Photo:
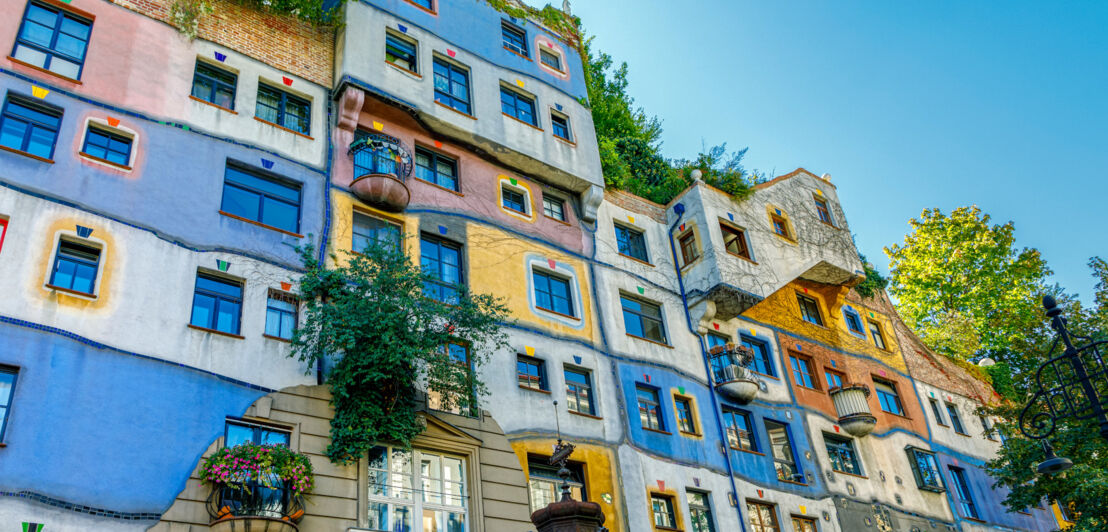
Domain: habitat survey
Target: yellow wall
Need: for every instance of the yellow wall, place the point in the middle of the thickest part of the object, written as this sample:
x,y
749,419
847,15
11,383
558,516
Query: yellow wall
x,y
599,465
108,264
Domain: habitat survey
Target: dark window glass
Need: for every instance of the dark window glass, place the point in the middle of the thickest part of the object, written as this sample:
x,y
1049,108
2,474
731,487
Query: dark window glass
x,y
662,508
515,39
400,52
700,511
809,310
518,106
853,322
262,199
824,212
935,409
553,293
531,372
239,432
841,453
734,240
781,447
217,303
834,379
887,396
108,146
75,267
878,338
685,420
763,517
689,252
554,207
579,392
780,226
451,86
53,39
643,319
561,127
284,109
441,261
7,392
955,419
373,231
29,127
280,314
802,371
740,434
650,410
965,496
214,85
436,168
925,469
631,242
513,199
762,363
550,59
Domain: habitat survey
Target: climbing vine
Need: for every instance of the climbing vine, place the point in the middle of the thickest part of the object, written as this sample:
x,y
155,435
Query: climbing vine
x,y
186,15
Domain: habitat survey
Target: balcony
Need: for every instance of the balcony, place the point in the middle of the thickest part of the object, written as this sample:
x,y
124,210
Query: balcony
x,y
852,406
731,372
382,165
255,507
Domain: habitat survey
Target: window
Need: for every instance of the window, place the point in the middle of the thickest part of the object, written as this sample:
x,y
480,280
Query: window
x,y
887,396
853,321
284,109
7,393
550,59
834,379
955,419
513,199
400,52
803,524
53,39
217,304
436,168
214,85
450,401
824,212
553,207
937,411
990,431
531,373
763,517
686,420
451,86
75,267
545,485
734,240
962,493
781,447
739,433
552,293
238,432
369,231
841,453
280,314
441,260
29,127
662,508
689,252
579,392
107,146
560,125
875,331
417,491
762,362
518,106
429,5
809,310
650,409
642,319
515,39
802,371
780,226
261,199
718,361
700,511
925,469
631,242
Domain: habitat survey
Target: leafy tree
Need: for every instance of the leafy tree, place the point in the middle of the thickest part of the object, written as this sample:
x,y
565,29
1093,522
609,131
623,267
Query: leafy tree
x,y
874,282
387,341
614,113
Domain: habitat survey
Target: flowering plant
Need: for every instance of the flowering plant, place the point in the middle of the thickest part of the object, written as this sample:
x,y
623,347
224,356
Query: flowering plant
x,y
268,465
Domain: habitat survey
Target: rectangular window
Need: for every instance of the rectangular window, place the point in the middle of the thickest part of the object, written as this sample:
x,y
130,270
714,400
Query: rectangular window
x,y
217,303
762,362
214,85
734,240
718,362
642,319
29,127
238,432
515,39
544,483
841,453
809,310
887,396
550,59
662,508
686,421
834,379
803,524
854,322
53,39
560,125
7,393
107,146
700,511
553,207
650,409
955,418
284,109
579,396
531,373
261,199
740,434
417,490
878,338
802,371
441,261
935,409
75,267
824,212
689,252
631,242
369,231
763,517
281,314
513,199
451,85
781,447
401,52
436,168
518,106
925,469
964,495
987,426
780,226
552,293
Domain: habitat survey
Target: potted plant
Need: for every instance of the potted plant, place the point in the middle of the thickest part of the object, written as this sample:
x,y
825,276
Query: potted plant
x,y
251,480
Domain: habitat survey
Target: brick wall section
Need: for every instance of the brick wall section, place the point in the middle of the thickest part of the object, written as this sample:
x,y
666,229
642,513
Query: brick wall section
x,y
286,43
634,203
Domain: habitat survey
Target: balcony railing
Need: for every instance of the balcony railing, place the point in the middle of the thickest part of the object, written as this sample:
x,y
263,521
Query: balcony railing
x,y
245,501
381,167
852,406
731,372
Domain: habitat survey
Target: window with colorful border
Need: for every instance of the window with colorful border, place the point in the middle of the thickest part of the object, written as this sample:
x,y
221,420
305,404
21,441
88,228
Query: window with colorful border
x,y
551,59
553,292
878,336
107,145
514,198
803,524
240,431
783,452
780,226
53,39
8,375
963,493
853,321
441,260
834,378
824,211
75,268
925,469
661,506
370,230
686,415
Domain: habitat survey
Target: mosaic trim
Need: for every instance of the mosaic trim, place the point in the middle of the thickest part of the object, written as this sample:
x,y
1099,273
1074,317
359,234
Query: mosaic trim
x,y
81,509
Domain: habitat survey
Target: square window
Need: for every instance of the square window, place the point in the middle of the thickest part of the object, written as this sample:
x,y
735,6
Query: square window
x,y
763,517
631,243
803,373
740,433
451,85
531,373
686,419
256,197
700,511
955,418
518,106
887,396
370,231
214,85
553,293
875,331
279,107
29,127
53,39
441,261
107,146
842,455
643,319
75,267
734,241
662,508
401,52
238,432
804,524
560,125
436,168
834,378
824,212
809,310
762,362
853,321
515,39
513,199
650,409
554,207
925,469
689,251
217,303
780,226
579,396
781,447
281,313
550,59
8,376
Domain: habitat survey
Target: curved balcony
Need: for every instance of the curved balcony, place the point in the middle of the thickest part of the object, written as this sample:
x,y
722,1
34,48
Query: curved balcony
x,y
253,507
381,167
852,406
731,372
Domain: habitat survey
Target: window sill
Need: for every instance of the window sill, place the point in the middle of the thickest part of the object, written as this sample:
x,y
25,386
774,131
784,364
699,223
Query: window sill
x,y
975,520
517,53
648,429
793,482
850,474
528,124
691,434
283,128
756,453
829,224
767,375
963,434
404,70
748,259
463,113
582,414
902,416
788,239
27,154
438,186
259,224
809,388
566,141
2,445
213,331
70,291
96,159
636,260
278,338
556,313
210,104
666,528
43,70
431,11
514,212
537,390
563,222
649,340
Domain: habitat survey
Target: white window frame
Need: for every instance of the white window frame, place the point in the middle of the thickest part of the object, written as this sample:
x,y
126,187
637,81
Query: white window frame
x,y
416,502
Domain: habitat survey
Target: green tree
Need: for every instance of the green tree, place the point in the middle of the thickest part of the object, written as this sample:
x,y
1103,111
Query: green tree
x,y
388,343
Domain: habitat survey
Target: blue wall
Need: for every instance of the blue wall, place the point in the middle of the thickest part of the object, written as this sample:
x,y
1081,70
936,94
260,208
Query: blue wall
x,y
989,502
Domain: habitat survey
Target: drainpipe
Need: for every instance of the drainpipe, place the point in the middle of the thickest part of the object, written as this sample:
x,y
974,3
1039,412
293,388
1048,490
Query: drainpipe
x,y
679,210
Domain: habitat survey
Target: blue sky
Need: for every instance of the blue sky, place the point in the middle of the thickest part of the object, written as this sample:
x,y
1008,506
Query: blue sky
x,y
908,105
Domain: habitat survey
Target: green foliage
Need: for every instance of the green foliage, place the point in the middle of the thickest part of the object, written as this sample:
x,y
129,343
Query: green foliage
x,y
1000,375
186,15
387,342
568,27
266,464
721,170
874,282
1100,272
